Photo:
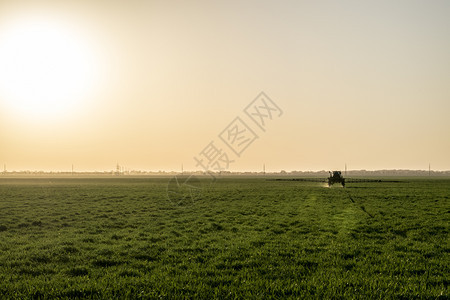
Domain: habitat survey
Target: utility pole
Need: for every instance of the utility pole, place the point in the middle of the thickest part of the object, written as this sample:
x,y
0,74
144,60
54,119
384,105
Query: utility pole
x,y
72,169
264,169
429,169
345,170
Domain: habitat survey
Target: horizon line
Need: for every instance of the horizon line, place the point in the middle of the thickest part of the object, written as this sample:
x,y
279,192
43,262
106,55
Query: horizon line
x,y
210,171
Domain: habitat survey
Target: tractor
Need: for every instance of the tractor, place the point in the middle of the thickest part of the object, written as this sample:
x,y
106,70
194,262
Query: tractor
x,y
336,177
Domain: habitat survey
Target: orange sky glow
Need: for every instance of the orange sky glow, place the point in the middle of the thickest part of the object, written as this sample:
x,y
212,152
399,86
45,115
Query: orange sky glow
x,y
151,84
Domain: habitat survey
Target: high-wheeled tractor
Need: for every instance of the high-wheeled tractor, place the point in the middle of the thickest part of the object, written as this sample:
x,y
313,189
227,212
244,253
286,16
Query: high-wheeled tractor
x,y
336,177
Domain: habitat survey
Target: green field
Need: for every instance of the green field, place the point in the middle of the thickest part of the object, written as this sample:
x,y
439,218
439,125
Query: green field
x,y
238,238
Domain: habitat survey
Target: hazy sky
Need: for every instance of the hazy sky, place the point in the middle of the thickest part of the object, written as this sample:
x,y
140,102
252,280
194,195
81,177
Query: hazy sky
x,y
149,84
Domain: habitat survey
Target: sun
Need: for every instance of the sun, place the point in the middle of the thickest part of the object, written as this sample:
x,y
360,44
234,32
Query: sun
x,y
46,68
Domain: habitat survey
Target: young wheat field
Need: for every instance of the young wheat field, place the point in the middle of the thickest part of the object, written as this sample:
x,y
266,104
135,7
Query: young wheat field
x,y
237,237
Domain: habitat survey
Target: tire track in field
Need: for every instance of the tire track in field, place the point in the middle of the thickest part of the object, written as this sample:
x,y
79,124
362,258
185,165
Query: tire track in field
x,y
360,205
310,208
345,220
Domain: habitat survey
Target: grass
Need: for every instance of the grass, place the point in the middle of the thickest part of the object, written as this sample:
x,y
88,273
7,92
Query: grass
x,y
239,238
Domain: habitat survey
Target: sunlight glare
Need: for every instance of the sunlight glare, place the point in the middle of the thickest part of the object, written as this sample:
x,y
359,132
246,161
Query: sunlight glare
x,y
46,69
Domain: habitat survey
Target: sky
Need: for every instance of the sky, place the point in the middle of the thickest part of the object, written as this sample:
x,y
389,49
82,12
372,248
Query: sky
x,y
154,85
